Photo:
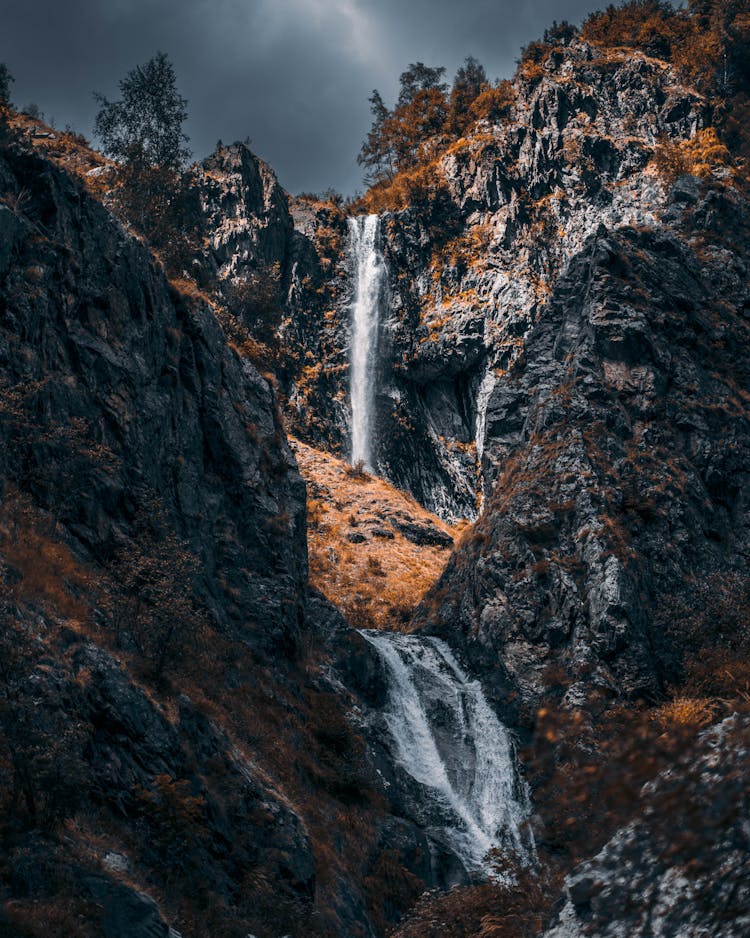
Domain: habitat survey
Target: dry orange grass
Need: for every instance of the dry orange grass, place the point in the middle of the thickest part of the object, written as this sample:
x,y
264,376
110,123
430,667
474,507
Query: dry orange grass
x,y
66,148
696,712
45,570
359,559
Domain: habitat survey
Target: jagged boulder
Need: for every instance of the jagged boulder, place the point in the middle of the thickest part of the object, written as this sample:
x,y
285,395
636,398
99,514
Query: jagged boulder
x,y
681,867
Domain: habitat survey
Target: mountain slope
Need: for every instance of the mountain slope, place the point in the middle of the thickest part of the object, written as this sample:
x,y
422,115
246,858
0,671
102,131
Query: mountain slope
x,y
374,551
191,736
173,751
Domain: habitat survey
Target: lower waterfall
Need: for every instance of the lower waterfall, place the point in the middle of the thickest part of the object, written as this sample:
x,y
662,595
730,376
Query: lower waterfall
x,y
448,740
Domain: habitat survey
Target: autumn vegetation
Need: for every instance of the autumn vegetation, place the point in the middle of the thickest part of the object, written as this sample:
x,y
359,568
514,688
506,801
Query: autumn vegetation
x,y
587,770
364,542
708,42
283,718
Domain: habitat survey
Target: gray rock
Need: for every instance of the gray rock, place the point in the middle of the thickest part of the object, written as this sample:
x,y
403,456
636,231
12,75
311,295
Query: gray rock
x,y
681,868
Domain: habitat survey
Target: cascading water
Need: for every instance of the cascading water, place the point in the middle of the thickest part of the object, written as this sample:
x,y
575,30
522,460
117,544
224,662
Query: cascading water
x,y
448,739
369,290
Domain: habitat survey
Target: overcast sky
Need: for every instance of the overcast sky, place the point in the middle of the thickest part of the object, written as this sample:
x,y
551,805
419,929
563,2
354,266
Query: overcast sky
x,y
292,75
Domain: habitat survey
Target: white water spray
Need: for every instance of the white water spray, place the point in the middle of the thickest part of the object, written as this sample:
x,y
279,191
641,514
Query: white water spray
x,y
448,739
369,290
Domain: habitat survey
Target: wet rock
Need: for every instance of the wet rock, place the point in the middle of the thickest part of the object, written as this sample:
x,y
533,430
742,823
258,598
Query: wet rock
x,y
422,534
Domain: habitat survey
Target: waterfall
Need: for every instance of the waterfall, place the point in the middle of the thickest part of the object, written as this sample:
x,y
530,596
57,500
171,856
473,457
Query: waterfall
x,y
448,740
369,288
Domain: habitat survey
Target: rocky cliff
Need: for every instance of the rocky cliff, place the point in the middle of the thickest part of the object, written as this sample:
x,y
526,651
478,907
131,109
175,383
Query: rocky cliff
x,y
122,399
175,757
195,739
566,352
652,879
472,267
565,347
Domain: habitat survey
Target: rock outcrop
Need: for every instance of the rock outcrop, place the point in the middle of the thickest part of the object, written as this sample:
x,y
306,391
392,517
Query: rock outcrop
x,y
565,360
121,395
618,447
681,867
472,269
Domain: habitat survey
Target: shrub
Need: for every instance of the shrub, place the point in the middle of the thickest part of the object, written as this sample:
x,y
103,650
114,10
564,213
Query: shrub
x,y
532,59
651,25
43,744
254,301
685,712
709,625
156,608
698,156
670,160
357,471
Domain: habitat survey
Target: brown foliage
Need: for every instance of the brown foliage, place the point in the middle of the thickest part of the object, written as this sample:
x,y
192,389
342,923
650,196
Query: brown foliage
x,y
363,564
154,606
421,187
493,104
174,822
710,623
698,156
650,25
490,910
40,763
62,916
708,41
37,565
670,160
162,207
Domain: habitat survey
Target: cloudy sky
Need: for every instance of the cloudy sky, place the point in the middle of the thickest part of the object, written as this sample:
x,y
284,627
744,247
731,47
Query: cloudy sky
x,y
292,75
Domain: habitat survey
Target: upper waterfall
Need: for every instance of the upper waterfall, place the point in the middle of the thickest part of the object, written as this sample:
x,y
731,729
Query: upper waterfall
x,y
369,281
448,739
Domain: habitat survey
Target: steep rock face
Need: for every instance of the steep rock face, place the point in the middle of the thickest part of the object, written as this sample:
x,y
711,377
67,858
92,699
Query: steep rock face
x,y
232,792
681,868
246,212
316,334
524,195
472,267
120,394
122,407
295,249
157,796
618,447
568,332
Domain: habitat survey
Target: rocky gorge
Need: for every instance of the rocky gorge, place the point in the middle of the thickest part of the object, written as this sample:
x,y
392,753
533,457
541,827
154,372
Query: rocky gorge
x,y
235,670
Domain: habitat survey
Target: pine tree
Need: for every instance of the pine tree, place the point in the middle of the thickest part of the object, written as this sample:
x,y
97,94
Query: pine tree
x,y
469,83
6,80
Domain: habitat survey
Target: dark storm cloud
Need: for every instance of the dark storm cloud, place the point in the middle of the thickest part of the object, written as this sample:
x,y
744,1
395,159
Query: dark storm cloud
x,y
293,75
